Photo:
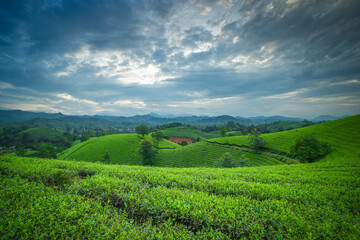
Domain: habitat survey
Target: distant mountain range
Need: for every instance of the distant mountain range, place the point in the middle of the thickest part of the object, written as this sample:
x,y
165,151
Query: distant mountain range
x,y
327,118
20,116
59,120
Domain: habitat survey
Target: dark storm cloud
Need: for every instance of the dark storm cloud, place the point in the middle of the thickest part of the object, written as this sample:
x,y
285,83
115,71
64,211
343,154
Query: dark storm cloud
x,y
312,31
159,53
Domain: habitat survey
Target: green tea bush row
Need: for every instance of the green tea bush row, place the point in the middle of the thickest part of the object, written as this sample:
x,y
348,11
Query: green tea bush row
x,y
313,201
30,210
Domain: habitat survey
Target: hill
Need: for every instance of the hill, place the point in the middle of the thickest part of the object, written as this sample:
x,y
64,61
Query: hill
x,y
327,118
53,199
187,132
224,119
67,121
58,120
19,116
43,133
343,135
124,149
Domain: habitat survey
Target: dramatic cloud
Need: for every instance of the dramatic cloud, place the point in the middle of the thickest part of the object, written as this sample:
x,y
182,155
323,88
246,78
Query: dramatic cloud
x,y
237,57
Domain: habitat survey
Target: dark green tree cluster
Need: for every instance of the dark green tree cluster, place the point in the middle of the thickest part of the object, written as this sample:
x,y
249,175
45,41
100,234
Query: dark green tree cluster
x,y
47,151
157,137
10,137
86,135
223,130
307,149
226,161
147,151
142,130
169,125
255,141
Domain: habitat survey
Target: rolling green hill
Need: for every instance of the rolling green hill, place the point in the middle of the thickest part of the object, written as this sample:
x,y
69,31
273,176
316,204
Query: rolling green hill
x,y
124,149
54,199
187,132
343,135
50,134
285,126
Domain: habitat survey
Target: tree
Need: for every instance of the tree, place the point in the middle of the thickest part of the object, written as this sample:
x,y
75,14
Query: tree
x,y
243,162
20,151
106,158
86,136
230,125
147,151
226,161
47,151
307,149
157,136
223,130
142,130
255,141
183,143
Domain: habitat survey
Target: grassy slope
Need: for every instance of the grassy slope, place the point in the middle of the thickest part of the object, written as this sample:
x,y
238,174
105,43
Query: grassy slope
x,y
343,135
51,134
273,127
123,149
187,132
76,142
234,133
53,199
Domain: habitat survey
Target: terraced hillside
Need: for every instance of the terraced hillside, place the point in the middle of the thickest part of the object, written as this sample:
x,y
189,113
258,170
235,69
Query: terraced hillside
x,y
187,132
50,134
54,199
203,154
343,135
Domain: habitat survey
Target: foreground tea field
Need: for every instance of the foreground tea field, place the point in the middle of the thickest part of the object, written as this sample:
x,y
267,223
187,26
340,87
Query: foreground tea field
x,y
43,199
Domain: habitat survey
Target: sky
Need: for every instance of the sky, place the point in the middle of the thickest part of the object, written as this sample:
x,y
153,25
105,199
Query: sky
x,y
236,57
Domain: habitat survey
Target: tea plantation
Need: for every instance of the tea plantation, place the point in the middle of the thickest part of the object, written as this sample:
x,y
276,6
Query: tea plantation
x,y
56,199
124,149
188,132
343,135
39,133
76,198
